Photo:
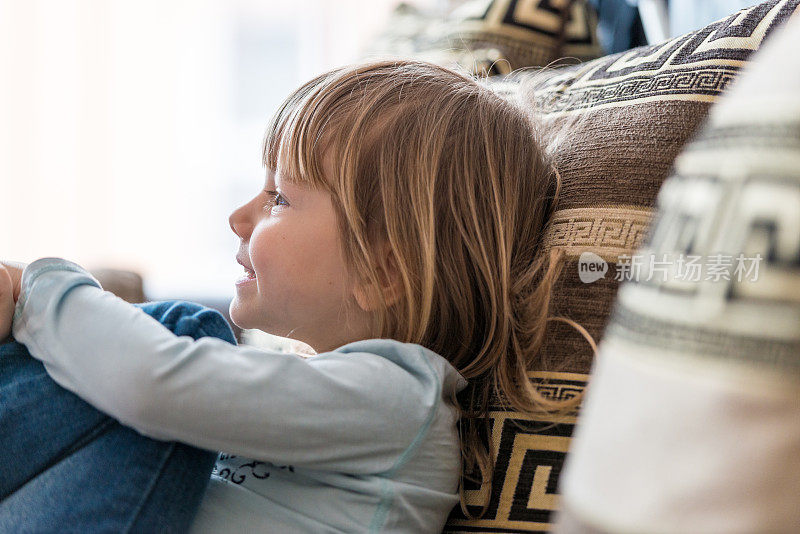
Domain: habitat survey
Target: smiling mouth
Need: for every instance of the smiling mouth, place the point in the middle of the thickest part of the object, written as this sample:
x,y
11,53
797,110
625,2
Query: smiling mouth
x,y
247,277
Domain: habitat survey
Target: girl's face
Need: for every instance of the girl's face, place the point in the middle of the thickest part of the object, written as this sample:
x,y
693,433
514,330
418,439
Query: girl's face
x,y
295,283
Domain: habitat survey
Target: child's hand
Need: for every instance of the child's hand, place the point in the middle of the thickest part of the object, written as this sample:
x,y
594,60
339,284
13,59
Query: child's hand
x,y
6,302
10,276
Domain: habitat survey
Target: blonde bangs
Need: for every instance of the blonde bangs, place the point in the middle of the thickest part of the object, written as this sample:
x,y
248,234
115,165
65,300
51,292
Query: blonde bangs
x,y
295,140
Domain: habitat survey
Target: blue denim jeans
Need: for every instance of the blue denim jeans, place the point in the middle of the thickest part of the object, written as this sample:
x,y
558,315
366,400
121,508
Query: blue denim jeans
x,y
66,467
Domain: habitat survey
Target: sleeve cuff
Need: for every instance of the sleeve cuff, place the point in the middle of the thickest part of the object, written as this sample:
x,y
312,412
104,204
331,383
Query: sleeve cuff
x,y
41,266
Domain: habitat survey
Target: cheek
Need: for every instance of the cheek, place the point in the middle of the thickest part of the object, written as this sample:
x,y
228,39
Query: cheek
x,y
282,261
267,249
303,266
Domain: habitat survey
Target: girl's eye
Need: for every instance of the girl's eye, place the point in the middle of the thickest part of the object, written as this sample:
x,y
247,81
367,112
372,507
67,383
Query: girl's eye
x,y
274,199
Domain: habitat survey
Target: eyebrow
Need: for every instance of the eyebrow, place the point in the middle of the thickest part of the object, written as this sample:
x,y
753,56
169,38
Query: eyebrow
x,y
286,186
270,185
269,179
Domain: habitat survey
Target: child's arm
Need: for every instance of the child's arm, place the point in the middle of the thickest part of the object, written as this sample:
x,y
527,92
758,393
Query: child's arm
x,y
357,409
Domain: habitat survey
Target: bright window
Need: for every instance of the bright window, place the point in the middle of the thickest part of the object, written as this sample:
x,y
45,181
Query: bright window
x,y
130,130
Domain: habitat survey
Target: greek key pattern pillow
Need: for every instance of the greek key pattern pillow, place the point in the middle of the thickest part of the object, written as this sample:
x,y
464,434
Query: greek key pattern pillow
x,y
615,126
693,419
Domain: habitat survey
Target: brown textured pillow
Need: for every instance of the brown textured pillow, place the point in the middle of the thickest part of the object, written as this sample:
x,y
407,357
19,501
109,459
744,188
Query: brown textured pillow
x,y
622,120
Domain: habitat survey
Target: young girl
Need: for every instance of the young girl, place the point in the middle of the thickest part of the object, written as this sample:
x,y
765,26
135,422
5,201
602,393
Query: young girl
x,y
398,235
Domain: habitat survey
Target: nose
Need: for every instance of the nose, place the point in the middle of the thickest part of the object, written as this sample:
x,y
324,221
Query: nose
x,y
241,222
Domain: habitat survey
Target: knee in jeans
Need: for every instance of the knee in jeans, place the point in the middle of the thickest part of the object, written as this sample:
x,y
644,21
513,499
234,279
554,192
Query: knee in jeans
x,y
190,319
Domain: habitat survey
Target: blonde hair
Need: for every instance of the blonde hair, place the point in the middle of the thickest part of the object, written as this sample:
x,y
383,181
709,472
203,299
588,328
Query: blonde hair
x,y
451,176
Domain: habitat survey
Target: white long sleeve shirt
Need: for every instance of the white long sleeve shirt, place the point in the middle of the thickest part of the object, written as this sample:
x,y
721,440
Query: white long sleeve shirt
x,y
359,439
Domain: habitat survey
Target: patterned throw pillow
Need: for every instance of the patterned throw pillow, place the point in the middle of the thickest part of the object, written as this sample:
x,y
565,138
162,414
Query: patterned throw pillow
x,y
494,36
615,126
692,423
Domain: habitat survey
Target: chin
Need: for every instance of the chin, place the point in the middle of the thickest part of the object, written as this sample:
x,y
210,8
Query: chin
x,y
249,318
240,316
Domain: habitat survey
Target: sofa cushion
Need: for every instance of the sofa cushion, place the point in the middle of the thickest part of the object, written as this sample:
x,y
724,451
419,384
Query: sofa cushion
x,y
494,36
621,121
613,127
127,285
693,419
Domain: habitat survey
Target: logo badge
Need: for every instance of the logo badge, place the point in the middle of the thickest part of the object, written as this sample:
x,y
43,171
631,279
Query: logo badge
x,y
591,267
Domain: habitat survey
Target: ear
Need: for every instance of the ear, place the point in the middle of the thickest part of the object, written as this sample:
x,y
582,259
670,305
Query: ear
x,y
391,283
